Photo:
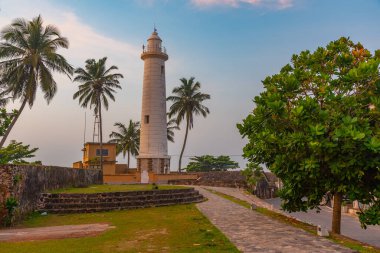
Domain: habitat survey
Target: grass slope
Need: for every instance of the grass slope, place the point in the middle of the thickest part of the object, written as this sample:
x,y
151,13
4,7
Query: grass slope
x,y
179,228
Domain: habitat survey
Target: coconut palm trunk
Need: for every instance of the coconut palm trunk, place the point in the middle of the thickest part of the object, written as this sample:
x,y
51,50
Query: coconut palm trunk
x,y
12,124
129,155
101,135
337,212
184,144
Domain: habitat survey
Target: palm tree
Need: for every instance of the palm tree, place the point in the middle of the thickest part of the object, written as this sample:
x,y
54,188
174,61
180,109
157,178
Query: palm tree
x,y
171,126
187,103
28,55
96,84
127,139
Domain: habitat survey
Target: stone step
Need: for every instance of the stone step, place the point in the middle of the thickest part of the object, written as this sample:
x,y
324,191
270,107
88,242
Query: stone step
x,y
118,204
76,203
118,194
105,209
83,196
112,199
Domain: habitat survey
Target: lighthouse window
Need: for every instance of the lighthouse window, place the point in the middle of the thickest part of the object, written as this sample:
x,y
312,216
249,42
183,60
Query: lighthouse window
x,y
146,119
162,70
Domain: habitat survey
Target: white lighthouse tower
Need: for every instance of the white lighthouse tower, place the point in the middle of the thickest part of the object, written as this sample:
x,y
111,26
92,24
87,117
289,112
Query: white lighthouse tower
x,y
153,154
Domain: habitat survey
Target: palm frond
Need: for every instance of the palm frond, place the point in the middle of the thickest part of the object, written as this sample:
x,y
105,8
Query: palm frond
x,y
97,80
28,54
187,101
127,138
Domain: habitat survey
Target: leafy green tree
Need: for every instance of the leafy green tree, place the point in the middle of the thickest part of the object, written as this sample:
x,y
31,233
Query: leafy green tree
x,y
171,126
16,152
211,163
6,119
127,139
316,126
252,173
97,84
187,103
28,54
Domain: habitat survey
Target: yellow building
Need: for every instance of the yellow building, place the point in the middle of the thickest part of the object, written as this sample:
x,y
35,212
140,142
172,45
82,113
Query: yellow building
x,y
114,173
91,158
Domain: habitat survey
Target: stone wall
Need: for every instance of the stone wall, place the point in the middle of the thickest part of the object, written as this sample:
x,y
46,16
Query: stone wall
x,y
27,182
215,178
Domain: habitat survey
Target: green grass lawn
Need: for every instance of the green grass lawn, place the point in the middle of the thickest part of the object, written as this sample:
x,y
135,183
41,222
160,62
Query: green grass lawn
x,y
180,228
115,188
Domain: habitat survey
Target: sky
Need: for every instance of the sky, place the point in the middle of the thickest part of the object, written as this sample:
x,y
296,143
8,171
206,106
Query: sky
x,y
229,46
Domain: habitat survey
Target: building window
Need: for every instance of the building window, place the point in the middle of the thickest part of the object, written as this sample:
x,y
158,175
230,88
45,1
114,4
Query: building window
x,y
162,70
146,119
104,152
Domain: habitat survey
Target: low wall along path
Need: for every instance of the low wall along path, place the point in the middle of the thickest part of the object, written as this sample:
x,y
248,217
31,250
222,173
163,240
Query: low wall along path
x,y
25,183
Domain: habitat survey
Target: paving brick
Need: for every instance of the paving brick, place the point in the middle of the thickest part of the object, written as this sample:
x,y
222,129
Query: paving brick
x,y
253,232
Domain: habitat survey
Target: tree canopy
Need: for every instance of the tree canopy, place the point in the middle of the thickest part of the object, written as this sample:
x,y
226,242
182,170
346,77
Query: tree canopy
x,y
253,173
171,126
16,152
6,119
97,83
28,56
127,139
316,126
211,163
187,103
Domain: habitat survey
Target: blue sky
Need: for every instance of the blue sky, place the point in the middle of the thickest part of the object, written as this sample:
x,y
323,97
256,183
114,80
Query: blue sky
x,y
228,45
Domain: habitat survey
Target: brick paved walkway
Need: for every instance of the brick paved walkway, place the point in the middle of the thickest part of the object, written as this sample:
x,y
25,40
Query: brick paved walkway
x,y
350,225
253,232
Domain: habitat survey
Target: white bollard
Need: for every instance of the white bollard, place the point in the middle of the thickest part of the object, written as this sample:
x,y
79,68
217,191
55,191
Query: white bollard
x,y
322,231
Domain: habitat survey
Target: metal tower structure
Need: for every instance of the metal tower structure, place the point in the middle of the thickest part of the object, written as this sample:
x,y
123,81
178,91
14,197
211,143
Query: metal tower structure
x,y
95,135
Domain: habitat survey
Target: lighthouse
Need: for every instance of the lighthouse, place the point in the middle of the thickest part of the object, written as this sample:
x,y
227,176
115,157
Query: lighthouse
x,y
153,154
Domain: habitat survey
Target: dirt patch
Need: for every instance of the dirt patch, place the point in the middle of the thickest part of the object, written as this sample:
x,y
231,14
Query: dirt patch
x,y
55,232
142,240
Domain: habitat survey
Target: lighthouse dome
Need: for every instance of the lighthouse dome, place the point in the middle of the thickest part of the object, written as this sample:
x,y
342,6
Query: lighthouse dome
x,y
154,35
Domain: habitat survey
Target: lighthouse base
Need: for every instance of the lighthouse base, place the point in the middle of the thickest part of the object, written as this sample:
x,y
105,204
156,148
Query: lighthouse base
x,y
157,165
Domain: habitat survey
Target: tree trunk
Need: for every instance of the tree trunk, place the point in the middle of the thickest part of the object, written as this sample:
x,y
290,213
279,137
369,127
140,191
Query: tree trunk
x,y
184,144
12,124
337,208
128,158
101,137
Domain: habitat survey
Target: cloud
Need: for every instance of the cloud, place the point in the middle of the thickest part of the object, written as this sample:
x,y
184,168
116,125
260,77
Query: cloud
x,y
58,127
283,4
84,41
277,4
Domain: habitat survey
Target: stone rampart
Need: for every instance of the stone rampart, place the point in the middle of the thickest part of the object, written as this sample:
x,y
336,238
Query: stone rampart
x,y
215,178
25,183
